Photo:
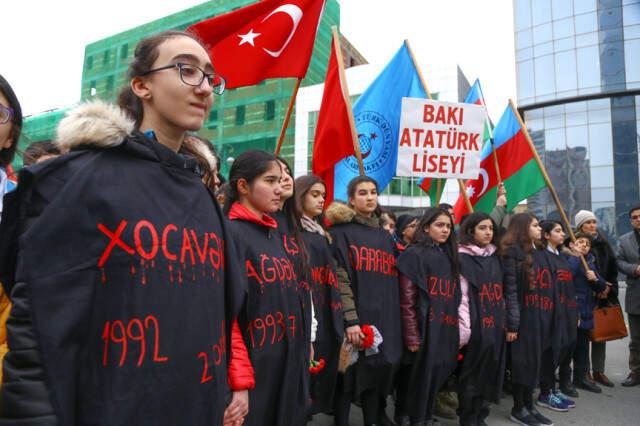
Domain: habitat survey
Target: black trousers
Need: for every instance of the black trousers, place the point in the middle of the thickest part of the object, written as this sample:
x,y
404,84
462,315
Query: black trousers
x,y
370,401
472,407
547,373
565,365
581,356
522,397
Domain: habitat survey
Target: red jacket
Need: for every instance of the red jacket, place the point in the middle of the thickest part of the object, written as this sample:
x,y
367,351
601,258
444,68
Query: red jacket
x,y
240,370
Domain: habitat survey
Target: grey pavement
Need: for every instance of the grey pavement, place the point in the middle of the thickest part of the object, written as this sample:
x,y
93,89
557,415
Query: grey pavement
x,y
618,406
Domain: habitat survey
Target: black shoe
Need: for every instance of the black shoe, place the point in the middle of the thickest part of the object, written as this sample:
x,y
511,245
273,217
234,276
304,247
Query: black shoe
x,y
569,390
402,420
632,379
524,417
542,419
587,385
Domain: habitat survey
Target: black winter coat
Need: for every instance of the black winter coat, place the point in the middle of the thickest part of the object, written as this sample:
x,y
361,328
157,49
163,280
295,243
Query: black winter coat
x,y
124,286
605,261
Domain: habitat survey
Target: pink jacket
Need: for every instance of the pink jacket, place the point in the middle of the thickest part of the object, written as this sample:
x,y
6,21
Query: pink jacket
x,y
464,315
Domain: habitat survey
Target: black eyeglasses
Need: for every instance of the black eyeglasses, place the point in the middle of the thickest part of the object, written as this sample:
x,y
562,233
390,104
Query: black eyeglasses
x,y
194,76
6,114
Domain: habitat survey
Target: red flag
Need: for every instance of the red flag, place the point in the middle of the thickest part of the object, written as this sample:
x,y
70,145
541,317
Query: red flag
x,y
268,39
334,132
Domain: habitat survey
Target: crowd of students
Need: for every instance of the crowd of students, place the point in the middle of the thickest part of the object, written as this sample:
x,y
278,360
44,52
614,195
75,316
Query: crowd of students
x,y
145,292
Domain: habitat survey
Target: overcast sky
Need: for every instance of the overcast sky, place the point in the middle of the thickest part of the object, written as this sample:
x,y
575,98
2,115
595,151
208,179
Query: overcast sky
x,y
43,41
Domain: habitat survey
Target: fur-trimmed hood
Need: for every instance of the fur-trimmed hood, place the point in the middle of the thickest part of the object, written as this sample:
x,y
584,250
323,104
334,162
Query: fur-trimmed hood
x,y
338,212
104,125
94,123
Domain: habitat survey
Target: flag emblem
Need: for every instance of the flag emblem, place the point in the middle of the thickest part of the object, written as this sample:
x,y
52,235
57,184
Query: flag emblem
x,y
376,138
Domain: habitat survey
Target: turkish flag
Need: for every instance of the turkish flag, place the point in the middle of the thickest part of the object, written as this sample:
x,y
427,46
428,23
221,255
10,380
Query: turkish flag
x,y
334,135
268,39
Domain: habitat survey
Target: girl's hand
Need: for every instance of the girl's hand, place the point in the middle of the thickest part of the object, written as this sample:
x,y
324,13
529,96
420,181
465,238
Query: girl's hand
x,y
354,335
591,276
512,336
237,409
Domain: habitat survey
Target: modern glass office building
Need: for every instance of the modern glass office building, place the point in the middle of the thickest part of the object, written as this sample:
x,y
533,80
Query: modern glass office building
x,y
578,83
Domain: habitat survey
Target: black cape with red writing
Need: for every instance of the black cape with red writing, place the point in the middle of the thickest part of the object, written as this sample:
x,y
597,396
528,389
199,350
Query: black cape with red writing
x,y
328,311
565,328
375,289
429,268
131,283
295,250
273,326
536,302
485,358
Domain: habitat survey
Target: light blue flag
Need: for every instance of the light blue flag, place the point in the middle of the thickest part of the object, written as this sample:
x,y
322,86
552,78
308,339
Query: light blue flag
x,y
377,117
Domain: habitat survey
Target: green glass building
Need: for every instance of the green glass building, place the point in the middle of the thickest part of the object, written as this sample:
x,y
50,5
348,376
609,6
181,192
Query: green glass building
x,y
243,118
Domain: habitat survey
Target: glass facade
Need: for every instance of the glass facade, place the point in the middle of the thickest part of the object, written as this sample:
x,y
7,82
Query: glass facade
x,y
578,83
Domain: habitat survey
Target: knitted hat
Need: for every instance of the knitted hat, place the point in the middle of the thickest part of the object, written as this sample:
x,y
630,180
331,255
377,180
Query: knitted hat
x,y
402,223
582,216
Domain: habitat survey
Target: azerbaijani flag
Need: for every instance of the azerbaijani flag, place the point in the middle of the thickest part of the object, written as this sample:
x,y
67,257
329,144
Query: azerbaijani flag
x,y
518,168
430,186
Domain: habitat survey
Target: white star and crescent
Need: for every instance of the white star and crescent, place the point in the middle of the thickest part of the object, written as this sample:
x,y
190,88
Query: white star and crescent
x,y
471,190
294,12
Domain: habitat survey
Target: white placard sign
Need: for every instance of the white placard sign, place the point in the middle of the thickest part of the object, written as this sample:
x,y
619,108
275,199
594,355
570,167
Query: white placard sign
x,y
440,139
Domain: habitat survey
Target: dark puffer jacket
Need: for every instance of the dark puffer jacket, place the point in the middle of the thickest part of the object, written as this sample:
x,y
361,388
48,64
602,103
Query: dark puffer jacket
x,y
585,289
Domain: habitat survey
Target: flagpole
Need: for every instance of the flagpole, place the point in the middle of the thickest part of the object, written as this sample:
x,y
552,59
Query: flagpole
x,y
547,180
347,98
438,189
287,117
463,191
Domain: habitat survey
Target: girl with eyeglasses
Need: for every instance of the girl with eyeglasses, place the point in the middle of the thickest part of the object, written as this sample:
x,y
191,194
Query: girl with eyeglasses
x,y
10,127
129,315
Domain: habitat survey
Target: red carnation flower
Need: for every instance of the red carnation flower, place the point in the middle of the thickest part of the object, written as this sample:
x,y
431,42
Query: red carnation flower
x,y
316,366
367,342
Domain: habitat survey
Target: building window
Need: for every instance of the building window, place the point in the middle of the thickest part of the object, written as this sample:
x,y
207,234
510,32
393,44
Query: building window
x,y
269,110
213,115
89,62
124,51
240,110
92,88
110,83
107,56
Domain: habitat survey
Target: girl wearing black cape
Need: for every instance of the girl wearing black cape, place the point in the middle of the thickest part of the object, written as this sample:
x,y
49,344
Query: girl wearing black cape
x,y
368,283
126,319
272,320
565,322
483,321
529,297
430,295
310,193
